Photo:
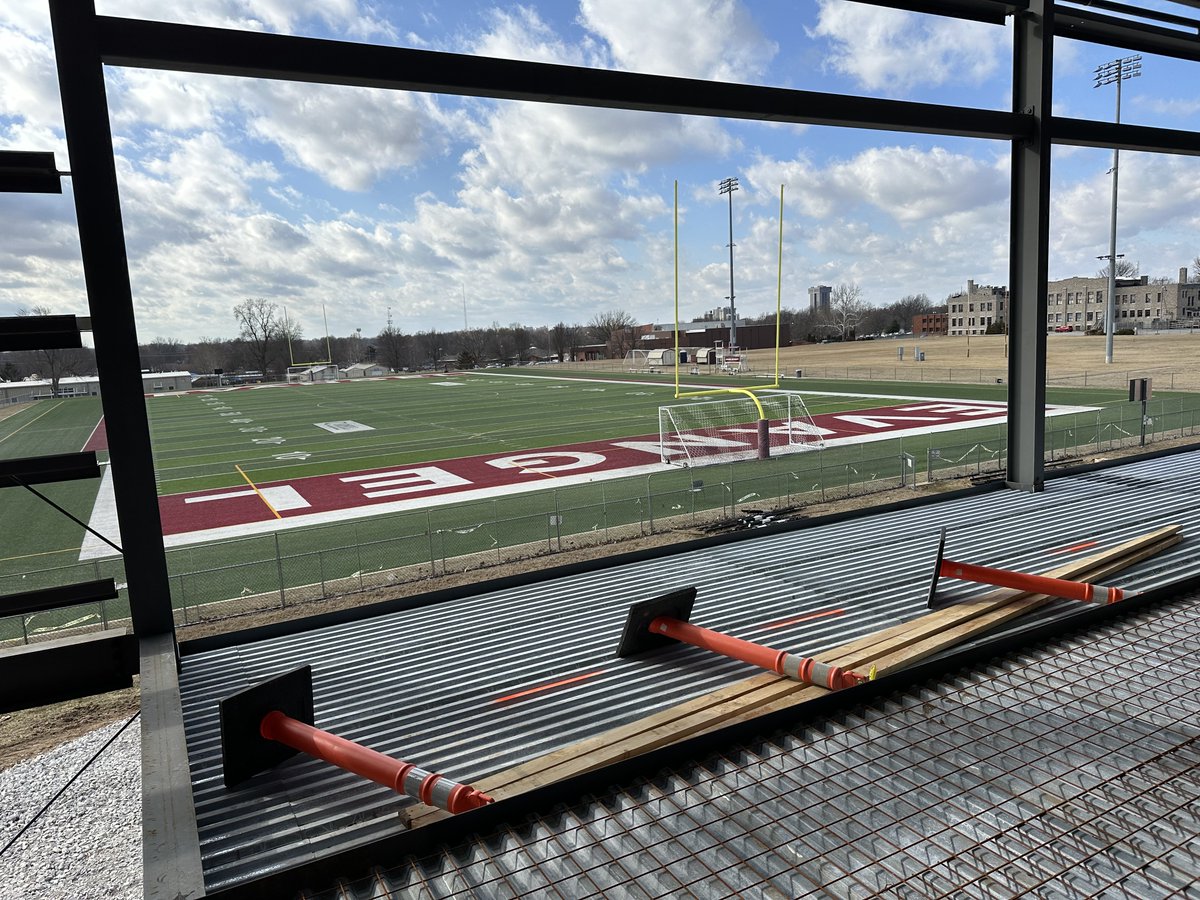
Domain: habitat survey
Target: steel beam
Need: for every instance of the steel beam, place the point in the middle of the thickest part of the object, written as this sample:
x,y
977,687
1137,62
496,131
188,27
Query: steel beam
x,y
48,469
66,669
190,48
1033,66
1110,31
29,173
58,597
39,332
106,274
991,12
1086,133
171,867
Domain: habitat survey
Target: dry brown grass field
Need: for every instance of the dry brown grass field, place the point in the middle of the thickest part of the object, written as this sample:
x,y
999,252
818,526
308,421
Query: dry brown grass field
x,y
1171,359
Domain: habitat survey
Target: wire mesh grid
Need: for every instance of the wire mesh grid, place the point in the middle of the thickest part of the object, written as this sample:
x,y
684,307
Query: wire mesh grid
x,y
1069,771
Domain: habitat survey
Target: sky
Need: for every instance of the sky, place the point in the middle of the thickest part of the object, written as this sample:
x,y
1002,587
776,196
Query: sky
x,y
437,211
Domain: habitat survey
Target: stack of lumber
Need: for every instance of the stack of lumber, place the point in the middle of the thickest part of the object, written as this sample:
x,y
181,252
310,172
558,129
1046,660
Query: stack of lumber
x,y
888,650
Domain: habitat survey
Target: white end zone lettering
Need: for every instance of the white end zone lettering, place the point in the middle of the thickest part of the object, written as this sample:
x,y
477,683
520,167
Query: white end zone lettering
x,y
406,481
548,462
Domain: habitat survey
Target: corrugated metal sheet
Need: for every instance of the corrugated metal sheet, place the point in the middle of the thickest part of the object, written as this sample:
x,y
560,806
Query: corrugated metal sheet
x,y
1072,770
423,684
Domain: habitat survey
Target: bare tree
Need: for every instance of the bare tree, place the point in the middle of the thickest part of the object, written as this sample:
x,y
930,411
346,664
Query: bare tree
x,y
574,341
432,345
54,365
260,329
209,354
1196,268
559,341
1125,269
846,309
614,328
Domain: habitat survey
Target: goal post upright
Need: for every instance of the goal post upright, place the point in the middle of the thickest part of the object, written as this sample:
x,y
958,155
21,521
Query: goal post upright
x,y
764,443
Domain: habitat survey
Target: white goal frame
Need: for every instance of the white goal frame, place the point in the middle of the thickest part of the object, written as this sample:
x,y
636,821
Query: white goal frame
x,y
707,432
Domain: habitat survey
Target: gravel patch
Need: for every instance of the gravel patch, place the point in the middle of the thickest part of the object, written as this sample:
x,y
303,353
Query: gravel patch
x,y
88,844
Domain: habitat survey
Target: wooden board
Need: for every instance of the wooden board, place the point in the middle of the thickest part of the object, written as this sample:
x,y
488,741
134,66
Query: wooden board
x,y
888,650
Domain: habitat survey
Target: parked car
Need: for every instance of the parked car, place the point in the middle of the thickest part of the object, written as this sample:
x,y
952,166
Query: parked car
x,y
1063,328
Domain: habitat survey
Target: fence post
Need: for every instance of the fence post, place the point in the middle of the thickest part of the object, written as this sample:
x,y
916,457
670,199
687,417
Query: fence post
x,y
604,509
183,599
25,627
650,504
557,522
496,527
279,569
429,540
358,555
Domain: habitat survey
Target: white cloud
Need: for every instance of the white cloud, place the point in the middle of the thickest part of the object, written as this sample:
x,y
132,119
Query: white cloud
x,y
892,50
716,39
351,137
28,80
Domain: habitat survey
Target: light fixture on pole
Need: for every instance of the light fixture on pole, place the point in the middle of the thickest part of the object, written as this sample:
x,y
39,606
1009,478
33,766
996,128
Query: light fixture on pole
x,y
1114,73
728,186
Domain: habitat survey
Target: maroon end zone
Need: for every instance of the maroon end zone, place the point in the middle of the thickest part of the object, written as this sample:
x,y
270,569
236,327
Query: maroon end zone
x,y
322,497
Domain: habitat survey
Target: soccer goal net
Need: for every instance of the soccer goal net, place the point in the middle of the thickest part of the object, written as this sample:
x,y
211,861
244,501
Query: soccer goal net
x,y
305,374
705,432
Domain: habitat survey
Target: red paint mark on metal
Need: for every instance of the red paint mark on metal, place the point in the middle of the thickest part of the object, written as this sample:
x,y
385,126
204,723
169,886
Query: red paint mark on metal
x,y
402,777
548,687
1085,545
809,617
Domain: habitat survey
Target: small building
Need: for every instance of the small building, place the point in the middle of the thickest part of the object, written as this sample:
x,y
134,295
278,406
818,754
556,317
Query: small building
x,y
365,370
309,374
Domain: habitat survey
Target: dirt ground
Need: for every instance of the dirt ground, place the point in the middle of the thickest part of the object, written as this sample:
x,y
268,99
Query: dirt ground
x,y
1170,358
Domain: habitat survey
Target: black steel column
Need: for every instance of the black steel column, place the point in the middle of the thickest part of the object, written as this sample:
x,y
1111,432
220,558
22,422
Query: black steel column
x,y
1033,46
106,274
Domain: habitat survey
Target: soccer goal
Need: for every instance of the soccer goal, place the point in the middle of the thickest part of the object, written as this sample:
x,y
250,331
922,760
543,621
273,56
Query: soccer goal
x,y
305,374
706,432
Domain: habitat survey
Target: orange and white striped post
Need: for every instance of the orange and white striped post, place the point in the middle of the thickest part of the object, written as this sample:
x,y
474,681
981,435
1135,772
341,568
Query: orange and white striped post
x,y
1021,581
272,721
402,777
662,620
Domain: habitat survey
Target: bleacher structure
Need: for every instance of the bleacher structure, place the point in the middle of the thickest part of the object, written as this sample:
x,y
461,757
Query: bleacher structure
x,y
1070,764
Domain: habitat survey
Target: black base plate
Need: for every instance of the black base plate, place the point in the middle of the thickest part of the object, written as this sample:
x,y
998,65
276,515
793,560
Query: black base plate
x,y
931,602
244,751
637,637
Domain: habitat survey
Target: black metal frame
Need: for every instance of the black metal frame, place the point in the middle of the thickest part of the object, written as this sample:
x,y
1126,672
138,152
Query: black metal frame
x,y
85,42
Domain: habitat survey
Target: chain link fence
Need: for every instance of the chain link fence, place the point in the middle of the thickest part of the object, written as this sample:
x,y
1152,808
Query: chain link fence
x,y
304,565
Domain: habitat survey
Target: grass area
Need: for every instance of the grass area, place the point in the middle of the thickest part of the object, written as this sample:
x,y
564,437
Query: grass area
x,y
34,534
198,440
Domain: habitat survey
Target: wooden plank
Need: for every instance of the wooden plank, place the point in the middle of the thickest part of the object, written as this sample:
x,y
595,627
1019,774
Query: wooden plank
x,y
892,648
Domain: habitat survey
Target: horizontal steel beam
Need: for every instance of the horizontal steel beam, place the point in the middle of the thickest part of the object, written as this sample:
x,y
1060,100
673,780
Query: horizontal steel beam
x,y
66,669
991,12
1087,133
1097,28
48,469
39,333
27,602
29,173
190,48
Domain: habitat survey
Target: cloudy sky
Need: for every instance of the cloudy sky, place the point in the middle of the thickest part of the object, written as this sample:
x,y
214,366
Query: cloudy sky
x,y
367,201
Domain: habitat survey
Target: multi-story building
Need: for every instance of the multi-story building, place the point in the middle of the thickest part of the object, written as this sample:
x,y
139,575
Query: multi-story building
x,y
819,298
926,324
974,310
1079,304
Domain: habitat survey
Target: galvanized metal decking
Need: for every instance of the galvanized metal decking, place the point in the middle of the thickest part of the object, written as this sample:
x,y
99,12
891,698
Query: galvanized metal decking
x,y
425,684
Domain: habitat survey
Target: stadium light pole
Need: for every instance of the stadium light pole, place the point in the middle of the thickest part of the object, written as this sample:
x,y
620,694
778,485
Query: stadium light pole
x,y
1111,282
728,186
1114,73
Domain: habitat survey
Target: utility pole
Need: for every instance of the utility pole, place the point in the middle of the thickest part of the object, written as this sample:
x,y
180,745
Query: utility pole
x,y
728,186
1114,73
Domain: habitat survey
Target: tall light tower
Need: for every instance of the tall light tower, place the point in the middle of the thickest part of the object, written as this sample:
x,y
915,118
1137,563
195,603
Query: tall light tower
x,y
1114,73
728,186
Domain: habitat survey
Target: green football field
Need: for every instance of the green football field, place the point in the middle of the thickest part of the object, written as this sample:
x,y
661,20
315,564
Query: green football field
x,y
200,439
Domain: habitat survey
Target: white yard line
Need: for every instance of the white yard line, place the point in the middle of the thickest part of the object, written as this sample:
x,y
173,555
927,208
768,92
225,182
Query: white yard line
x,y
103,520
